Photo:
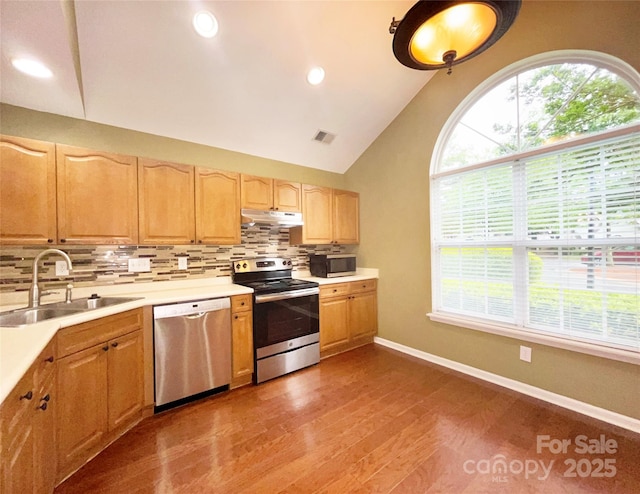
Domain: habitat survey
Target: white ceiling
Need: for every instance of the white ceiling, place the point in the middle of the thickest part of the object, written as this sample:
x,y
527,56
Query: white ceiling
x,y
141,66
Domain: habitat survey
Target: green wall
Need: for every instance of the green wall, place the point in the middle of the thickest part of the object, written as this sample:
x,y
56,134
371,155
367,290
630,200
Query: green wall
x,y
21,122
392,177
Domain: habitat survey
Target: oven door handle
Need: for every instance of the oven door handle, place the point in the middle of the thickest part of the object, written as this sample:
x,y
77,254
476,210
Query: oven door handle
x,y
272,297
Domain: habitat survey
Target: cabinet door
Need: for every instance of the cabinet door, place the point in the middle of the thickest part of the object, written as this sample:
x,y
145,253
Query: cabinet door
x,y
257,192
27,191
217,207
346,217
166,201
97,197
287,196
82,407
242,333
17,459
316,212
125,378
334,326
363,315
44,461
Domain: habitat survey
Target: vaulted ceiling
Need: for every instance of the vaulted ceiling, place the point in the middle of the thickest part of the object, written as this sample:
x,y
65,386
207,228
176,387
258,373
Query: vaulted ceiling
x,y
140,65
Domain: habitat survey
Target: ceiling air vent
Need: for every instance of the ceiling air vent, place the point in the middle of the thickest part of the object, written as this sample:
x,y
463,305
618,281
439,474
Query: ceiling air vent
x,y
324,137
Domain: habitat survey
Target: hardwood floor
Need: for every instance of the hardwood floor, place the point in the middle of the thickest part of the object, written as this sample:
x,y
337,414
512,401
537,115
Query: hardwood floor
x,y
367,421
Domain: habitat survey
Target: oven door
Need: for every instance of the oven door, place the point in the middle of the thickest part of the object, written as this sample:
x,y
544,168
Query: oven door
x,y
284,316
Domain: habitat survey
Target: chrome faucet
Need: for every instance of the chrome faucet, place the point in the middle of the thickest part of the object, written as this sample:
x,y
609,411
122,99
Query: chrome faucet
x,y
34,289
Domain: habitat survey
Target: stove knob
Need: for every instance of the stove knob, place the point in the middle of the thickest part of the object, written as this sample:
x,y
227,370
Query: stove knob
x,y
238,266
244,264
289,263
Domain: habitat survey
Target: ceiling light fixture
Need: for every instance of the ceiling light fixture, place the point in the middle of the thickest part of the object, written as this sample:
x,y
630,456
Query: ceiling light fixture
x,y
438,34
32,67
315,76
205,24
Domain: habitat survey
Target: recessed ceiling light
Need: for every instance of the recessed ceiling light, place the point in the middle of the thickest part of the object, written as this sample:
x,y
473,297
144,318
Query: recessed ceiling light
x,y
315,76
205,24
32,67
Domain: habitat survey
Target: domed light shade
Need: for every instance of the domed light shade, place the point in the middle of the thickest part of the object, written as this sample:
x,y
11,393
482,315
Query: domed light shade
x,y
437,34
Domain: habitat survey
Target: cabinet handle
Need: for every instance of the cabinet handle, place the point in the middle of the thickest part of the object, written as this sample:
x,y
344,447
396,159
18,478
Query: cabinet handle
x,y
241,303
63,240
192,241
236,316
199,241
50,240
46,397
43,406
335,290
105,348
49,359
114,344
27,396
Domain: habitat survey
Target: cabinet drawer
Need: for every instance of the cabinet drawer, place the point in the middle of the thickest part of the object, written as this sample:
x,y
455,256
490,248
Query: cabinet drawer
x,y
363,286
334,290
85,335
241,302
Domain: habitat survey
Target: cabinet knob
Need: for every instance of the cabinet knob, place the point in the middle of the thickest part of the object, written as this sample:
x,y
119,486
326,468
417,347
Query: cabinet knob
x,y
46,397
236,316
50,240
114,344
105,348
27,396
241,303
199,241
49,359
63,240
43,406
335,290
192,241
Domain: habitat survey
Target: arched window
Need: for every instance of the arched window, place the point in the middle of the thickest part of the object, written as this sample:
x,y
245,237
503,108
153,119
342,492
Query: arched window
x,y
535,203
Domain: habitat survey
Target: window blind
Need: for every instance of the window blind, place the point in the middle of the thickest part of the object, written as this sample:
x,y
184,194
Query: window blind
x,y
549,243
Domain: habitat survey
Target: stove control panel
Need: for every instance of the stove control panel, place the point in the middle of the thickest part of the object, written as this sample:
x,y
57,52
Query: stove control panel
x,y
261,264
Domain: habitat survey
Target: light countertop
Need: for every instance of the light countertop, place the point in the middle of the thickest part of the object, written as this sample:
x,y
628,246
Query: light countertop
x,y
19,347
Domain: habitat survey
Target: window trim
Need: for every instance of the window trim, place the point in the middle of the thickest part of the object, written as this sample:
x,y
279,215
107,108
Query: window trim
x,y
513,331
520,334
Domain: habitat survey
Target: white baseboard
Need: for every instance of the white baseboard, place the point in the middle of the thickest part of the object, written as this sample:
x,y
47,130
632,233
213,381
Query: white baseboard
x,y
608,416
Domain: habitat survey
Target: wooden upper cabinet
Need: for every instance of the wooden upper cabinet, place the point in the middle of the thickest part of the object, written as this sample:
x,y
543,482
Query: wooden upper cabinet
x,y
287,196
317,214
270,194
257,192
166,201
97,197
27,191
346,217
217,207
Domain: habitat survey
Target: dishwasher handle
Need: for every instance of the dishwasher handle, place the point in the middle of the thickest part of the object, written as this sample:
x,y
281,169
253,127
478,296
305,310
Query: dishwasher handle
x,y
196,308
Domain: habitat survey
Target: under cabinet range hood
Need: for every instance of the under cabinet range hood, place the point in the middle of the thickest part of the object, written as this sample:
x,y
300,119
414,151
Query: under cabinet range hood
x,y
278,218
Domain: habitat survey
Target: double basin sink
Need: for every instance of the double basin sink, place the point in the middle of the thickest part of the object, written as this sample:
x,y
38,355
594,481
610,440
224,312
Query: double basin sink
x,y
23,317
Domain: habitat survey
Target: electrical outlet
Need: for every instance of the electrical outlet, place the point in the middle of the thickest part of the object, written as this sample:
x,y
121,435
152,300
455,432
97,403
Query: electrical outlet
x,y
61,268
525,353
139,265
182,262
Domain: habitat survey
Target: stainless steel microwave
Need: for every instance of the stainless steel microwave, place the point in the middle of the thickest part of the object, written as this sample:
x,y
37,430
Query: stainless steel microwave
x,y
332,265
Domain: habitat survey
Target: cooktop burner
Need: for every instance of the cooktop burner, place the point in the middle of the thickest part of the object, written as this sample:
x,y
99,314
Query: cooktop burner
x,y
268,275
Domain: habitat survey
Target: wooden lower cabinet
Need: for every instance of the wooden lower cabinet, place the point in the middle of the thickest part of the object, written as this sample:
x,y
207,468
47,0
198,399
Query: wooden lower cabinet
x,y
348,315
28,430
242,340
100,387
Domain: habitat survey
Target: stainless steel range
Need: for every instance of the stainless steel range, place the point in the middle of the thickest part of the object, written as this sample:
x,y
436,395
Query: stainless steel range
x,y
286,329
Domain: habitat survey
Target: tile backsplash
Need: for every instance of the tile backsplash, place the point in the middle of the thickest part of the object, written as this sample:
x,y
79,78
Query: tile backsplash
x,y
109,264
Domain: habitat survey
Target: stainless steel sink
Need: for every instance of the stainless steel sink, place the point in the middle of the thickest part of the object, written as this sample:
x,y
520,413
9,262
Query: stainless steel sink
x,y
23,317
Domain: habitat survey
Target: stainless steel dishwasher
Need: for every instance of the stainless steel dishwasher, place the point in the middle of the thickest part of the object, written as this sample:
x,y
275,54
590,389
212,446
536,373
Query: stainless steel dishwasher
x,y
192,350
